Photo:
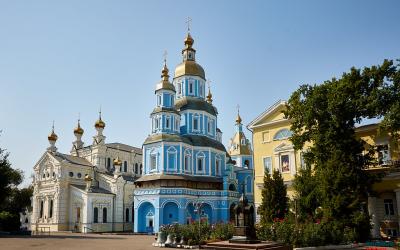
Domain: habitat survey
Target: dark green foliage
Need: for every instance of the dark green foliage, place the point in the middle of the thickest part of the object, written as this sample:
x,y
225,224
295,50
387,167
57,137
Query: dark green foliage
x,y
12,199
274,198
325,116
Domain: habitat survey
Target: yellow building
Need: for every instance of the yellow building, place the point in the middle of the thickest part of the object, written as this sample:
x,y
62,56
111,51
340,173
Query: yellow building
x,y
272,150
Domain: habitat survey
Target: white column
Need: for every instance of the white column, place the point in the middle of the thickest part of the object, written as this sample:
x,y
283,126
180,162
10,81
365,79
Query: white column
x,y
374,218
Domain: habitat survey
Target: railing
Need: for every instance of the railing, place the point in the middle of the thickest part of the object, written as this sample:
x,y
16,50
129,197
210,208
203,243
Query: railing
x,y
85,229
388,165
43,230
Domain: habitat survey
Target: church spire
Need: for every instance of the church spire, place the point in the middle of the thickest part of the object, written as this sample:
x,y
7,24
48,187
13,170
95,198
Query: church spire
x,y
99,125
238,118
209,96
52,138
165,84
78,132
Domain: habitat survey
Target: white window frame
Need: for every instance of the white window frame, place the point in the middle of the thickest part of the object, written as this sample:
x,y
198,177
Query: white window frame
x,y
201,156
197,117
270,163
191,87
283,137
167,122
159,100
172,151
269,136
201,92
187,165
153,168
177,124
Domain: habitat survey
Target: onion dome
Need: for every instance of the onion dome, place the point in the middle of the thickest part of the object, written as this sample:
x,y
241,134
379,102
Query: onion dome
x,y
78,130
117,161
164,83
238,119
99,123
52,137
88,177
189,65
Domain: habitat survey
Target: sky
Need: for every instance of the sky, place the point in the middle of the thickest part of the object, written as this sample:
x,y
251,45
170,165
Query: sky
x,y
62,59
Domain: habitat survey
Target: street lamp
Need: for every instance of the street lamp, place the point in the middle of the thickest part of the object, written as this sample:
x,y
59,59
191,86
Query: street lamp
x,y
197,209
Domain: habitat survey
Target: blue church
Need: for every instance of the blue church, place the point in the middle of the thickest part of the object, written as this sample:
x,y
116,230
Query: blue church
x,y
188,174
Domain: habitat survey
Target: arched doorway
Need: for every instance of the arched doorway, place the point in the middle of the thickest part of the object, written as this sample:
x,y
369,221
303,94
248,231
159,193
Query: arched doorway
x,y
170,213
206,213
232,213
146,218
190,214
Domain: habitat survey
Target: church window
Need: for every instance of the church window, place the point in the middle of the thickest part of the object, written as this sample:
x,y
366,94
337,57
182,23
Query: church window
x,y
153,162
95,215
191,87
108,163
246,163
54,174
136,168
141,168
171,156
176,124
267,164
200,163
41,209
201,89
167,122
127,215
179,88
283,134
172,100
71,174
158,100
195,122
104,215
48,175
79,175
389,208
125,166
187,161
51,209
44,176
217,166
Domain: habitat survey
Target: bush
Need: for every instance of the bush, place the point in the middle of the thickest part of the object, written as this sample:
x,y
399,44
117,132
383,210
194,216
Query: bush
x,y
222,231
9,221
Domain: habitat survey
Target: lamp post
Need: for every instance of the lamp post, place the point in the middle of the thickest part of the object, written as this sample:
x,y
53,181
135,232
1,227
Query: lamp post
x,y
197,209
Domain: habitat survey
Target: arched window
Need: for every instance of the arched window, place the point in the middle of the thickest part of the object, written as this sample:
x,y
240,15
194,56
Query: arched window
x,y
172,158
283,134
125,166
95,215
51,209
41,209
136,168
127,215
200,162
141,168
104,215
218,165
187,161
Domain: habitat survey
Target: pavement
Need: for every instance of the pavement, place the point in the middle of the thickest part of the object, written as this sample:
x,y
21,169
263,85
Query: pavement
x,y
62,241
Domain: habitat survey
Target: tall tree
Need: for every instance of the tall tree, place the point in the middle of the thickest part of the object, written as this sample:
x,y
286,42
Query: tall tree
x,y
325,116
274,198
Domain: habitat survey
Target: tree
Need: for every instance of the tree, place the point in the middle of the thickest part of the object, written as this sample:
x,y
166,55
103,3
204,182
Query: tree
x,y
325,116
12,199
274,198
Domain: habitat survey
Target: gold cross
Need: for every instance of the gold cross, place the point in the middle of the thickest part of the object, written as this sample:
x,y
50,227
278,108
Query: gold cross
x,y
189,20
238,107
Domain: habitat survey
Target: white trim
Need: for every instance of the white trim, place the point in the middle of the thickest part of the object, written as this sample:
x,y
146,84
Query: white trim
x,y
267,112
263,164
203,157
172,151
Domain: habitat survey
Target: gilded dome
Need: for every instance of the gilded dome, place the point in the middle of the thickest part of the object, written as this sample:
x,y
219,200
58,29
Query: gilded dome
x,y
99,124
78,130
117,162
164,83
189,68
52,136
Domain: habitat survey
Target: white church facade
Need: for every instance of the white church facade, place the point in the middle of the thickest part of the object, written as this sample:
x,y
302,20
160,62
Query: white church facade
x,y
90,189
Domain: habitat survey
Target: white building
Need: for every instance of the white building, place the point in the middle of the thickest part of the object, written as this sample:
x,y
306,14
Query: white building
x,y
90,189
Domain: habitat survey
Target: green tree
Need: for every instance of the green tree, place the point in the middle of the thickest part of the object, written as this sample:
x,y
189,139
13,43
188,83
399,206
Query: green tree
x,y
325,116
274,198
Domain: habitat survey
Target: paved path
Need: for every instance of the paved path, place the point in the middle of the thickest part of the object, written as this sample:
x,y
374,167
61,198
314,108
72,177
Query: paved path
x,y
78,242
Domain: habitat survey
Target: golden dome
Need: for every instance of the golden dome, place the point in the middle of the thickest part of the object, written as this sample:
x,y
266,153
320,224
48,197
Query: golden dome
x,y
189,68
88,178
52,136
189,40
209,96
238,119
78,130
99,123
164,83
117,161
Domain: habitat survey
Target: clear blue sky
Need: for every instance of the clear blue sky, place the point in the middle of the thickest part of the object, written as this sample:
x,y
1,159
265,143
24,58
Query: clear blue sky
x,y
61,58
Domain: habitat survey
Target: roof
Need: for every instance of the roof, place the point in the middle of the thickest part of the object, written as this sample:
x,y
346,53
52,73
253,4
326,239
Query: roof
x,y
72,159
189,102
164,109
179,177
195,140
97,190
267,112
124,147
